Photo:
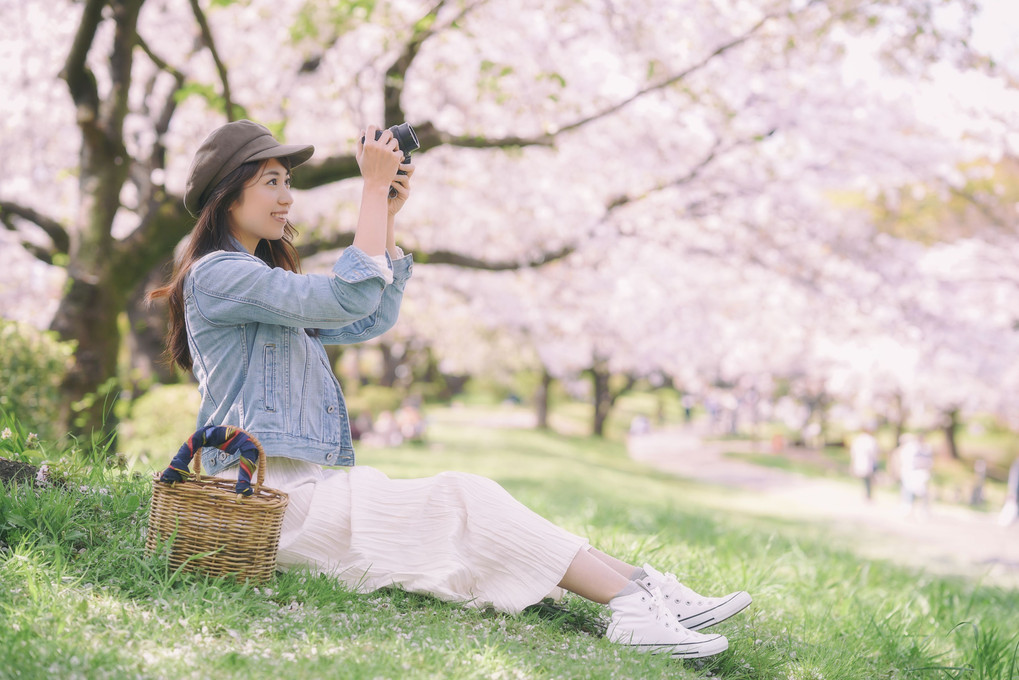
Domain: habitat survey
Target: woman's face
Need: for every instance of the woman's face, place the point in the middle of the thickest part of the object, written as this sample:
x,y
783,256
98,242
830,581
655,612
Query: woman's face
x,y
261,211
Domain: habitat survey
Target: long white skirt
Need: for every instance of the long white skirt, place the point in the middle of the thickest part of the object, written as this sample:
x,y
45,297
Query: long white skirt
x,y
457,536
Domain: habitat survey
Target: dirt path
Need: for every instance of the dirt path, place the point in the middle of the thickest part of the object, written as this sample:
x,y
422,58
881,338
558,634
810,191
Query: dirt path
x,y
949,540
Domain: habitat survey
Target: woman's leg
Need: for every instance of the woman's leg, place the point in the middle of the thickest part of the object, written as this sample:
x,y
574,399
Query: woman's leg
x,y
591,577
627,570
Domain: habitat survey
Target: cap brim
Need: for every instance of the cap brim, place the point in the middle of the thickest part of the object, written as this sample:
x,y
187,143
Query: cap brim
x,y
296,153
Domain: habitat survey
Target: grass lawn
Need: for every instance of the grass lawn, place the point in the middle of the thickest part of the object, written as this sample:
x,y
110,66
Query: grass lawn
x,y
79,599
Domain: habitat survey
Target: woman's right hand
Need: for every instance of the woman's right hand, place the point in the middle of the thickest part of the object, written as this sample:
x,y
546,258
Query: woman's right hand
x,y
378,159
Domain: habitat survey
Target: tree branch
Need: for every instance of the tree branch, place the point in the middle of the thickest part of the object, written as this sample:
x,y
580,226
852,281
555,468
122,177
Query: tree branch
x,y
35,250
326,171
670,80
157,157
164,225
316,244
203,24
688,176
984,209
338,168
467,262
397,72
313,245
160,63
56,231
80,80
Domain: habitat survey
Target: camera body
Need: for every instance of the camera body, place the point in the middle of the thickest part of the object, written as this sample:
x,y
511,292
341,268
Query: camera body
x,y
406,139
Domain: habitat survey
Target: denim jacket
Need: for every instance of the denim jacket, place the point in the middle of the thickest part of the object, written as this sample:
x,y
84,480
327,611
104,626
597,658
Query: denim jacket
x,y
257,367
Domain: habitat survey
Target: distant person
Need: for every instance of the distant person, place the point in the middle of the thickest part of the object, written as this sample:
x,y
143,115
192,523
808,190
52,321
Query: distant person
x,y
688,404
251,328
411,422
976,497
916,460
864,455
640,425
1010,511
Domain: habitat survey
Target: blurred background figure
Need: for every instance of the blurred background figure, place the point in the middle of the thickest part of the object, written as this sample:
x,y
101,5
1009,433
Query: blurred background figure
x,y
916,459
864,454
410,421
976,498
688,403
1010,511
639,425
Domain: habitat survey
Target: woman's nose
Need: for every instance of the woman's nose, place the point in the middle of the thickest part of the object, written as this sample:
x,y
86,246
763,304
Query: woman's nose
x,y
286,196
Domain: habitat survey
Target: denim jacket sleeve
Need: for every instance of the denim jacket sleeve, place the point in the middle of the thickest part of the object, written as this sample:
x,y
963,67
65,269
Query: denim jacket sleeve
x,y
384,316
236,288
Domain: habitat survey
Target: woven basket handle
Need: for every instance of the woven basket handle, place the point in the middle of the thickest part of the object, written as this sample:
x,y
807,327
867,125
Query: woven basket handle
x,y
225,438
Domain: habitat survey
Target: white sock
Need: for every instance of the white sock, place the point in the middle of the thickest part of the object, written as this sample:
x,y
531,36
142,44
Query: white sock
x,y
629,589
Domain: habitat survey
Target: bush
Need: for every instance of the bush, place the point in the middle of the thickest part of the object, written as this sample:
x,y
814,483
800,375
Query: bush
x,y
373,400
33,363
157,423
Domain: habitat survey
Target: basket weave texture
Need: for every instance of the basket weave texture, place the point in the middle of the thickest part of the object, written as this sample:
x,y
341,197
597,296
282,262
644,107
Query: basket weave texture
x,y
212,527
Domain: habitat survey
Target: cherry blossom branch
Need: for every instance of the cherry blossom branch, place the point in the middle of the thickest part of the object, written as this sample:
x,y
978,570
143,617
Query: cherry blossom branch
x,y
397,72
210,43
157,155
981,207
466,262
35,250
80,80
342,167
317,244
54,230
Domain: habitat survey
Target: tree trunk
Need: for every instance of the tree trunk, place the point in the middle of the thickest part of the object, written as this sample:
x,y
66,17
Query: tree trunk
x,y
88,315
951,424
96,294
602,399
390,362
146,338
900,418
541,399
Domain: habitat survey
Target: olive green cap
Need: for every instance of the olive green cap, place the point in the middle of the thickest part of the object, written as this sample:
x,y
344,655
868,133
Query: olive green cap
x,y
226,149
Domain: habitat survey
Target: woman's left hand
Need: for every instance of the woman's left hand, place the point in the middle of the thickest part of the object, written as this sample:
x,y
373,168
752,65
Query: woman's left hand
x,y
402,185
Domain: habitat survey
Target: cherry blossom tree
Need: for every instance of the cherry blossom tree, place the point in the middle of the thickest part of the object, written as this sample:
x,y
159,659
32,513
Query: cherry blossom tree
x,y
634,190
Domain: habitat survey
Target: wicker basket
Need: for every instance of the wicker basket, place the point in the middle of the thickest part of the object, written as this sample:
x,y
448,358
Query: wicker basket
x,y
212,525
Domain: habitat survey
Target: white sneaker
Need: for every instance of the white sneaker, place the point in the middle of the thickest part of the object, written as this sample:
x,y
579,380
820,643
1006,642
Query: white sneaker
x,y
640,620
690,609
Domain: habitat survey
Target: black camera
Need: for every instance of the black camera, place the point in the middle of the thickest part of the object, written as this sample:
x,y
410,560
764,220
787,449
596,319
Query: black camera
x,y
406,140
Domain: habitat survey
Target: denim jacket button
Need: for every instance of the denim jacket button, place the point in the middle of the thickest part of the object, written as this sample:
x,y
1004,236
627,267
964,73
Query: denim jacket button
x,y
223,455
330,457
331,409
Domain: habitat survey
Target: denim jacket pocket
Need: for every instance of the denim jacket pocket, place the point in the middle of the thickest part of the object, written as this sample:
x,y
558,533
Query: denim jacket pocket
x,y
269,377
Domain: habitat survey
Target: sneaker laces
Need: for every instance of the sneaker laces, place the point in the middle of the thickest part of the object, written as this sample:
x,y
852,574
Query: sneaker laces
x,y
671,588
661,612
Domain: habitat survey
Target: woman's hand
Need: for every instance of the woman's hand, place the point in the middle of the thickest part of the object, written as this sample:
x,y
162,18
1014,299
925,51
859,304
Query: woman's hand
x,y
379,158
401,183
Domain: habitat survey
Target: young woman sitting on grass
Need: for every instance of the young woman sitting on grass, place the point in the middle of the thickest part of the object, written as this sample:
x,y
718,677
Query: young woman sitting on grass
x,y
252,328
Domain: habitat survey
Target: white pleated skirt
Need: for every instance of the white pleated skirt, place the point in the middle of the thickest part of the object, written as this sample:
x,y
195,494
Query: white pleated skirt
x,y
457,536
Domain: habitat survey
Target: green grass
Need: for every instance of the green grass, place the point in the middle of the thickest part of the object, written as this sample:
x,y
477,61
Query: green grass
x,y
79,598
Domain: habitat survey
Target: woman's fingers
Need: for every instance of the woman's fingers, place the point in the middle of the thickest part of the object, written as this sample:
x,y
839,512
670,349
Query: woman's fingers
x,y
378,158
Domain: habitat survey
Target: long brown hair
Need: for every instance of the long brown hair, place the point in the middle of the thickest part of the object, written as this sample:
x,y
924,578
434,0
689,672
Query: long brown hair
x,y
211,233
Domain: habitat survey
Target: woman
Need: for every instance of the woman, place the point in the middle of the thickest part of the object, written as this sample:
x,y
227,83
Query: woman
x,y
252,329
